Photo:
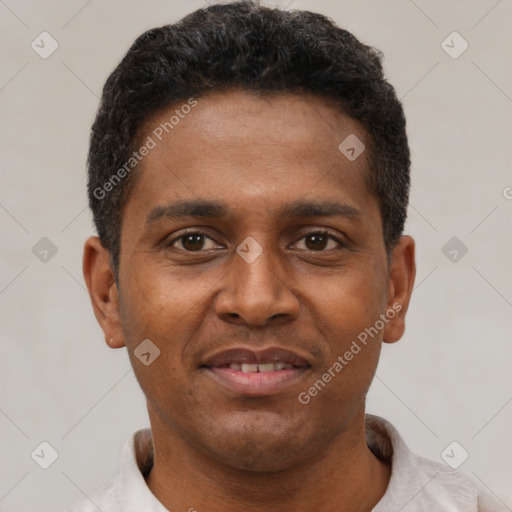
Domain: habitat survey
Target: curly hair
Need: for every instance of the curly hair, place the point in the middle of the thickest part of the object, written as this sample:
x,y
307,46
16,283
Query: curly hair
x,y
259,49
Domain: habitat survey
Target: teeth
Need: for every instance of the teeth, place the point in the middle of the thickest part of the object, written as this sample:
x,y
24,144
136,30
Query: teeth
x,y
246,368
263,367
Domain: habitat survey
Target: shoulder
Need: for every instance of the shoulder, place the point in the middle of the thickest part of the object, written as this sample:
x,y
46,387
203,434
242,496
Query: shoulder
x,y
418,484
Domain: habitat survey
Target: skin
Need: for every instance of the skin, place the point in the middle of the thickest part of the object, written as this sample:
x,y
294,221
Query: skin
x,y
217,450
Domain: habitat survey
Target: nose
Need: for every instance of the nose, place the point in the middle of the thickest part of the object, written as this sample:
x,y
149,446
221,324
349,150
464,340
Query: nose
x,y
256,293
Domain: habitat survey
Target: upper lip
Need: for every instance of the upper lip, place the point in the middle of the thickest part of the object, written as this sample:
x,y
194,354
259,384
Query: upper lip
x,y
243,355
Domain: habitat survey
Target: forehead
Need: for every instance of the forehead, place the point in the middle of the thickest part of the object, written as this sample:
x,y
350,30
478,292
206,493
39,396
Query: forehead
x,y
245,148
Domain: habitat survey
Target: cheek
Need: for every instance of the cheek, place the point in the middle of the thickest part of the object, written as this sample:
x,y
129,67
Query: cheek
x,y
349,300
166,313
161,304
343,381
167,308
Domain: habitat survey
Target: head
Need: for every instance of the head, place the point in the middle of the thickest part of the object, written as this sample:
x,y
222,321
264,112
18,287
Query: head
x,y
248,47
249,178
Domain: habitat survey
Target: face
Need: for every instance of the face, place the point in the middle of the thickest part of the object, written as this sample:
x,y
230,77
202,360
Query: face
x,y
252,256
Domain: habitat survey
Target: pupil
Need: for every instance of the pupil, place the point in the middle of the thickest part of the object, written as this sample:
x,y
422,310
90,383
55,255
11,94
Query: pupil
x,y
316,242
193,242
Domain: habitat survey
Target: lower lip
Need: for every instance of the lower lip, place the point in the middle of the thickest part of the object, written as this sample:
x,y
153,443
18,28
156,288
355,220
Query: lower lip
x,y
257,383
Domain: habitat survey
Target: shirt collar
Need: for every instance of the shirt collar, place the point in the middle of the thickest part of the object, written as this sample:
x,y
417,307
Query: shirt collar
x,y
136,462
417,483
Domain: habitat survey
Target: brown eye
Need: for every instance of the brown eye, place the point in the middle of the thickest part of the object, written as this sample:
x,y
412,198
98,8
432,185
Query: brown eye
x,y
320,241
193,242
317,241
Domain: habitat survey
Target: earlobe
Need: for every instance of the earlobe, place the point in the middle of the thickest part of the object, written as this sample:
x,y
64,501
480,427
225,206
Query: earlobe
x,y
402,272
99,277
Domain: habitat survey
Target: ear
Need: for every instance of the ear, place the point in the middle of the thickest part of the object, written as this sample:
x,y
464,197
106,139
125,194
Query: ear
x,y
100,281
402,271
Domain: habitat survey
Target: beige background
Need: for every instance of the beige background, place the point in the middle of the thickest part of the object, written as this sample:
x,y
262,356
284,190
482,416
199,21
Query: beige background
x,y
447,380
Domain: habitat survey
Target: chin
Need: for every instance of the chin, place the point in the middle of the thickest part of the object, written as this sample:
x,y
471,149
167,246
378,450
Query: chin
x,y
260,446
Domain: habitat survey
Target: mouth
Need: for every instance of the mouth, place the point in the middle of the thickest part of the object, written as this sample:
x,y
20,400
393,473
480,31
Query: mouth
x,y
250,373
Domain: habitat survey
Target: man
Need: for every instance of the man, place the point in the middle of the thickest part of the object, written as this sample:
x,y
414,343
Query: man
x,y
249,179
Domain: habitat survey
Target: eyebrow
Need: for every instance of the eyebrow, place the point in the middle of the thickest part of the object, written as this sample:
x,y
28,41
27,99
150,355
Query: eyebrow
x,y
202,208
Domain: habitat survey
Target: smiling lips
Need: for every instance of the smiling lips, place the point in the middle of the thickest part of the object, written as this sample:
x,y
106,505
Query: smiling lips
x,y
250,373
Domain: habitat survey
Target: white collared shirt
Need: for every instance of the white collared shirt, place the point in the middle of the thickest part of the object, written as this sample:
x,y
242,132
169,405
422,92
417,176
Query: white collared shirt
x,y
416,484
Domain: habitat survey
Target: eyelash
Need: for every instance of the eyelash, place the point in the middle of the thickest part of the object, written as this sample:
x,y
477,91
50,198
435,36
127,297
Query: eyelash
x,y
202,233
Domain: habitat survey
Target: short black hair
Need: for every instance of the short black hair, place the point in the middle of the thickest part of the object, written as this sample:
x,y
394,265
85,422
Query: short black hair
x,y
244,45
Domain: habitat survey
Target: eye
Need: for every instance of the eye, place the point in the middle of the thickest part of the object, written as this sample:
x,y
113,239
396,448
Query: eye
x,y
321,241
193,241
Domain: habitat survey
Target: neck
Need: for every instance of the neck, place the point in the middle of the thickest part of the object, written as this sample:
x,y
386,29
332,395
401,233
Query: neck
x,y
345,476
